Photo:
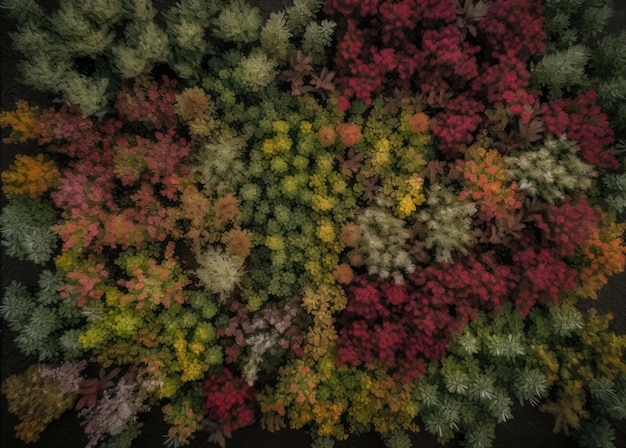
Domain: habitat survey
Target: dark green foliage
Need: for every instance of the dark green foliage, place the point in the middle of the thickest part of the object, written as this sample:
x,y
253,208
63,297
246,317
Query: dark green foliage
x,y
22,10
562,70
275,35
397,439
609,397
17,305
317,37
570,21
581,55
499,359
25,230
323,442
300,13
41,320
81,50
614,188
143,45
598,433
125,438
52,42
187,25
530,384
608,401
480,436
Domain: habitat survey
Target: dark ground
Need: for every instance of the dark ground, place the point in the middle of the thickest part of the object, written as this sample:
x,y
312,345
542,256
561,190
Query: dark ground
x,y
529,428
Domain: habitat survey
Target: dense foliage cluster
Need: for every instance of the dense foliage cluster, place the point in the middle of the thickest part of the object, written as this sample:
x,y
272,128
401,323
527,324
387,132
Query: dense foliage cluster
x,y
343,215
